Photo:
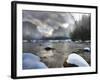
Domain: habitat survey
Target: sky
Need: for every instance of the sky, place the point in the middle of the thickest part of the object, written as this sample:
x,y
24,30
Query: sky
x,y
49,22
78,16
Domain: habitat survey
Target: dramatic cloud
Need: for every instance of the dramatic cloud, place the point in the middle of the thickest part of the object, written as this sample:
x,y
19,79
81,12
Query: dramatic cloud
x,y
48,24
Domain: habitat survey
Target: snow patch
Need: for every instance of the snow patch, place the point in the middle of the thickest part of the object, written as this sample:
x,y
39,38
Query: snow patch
x,y
77,60
31,61
87,49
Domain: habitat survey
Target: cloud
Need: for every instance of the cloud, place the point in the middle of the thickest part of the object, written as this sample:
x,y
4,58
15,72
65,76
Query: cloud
x,y
45,31
49,22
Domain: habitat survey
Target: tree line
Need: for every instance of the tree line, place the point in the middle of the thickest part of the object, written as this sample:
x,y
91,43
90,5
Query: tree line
x,y
82,30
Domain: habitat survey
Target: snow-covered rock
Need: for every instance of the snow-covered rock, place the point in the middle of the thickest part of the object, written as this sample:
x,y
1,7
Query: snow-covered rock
x,y
30,56
28,64
77,60
87,49
31,61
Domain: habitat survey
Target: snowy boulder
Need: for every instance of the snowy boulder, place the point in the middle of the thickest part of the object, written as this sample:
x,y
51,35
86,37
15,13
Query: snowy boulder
x,y
28,64
87,49
31,61
30,56
77,60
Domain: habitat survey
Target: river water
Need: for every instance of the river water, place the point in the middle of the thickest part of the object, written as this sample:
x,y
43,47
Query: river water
x,y
61,49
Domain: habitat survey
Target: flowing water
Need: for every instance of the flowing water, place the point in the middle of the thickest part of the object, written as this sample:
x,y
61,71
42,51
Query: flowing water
x,y
61,49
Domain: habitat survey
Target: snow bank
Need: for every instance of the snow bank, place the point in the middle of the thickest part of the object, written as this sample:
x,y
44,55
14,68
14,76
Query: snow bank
x,y
77,60
31,61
